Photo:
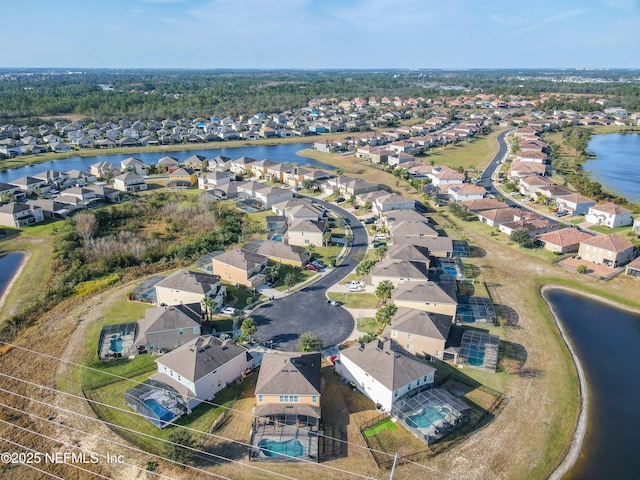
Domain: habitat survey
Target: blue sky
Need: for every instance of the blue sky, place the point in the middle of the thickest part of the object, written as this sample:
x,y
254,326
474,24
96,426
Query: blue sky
x,y
321,33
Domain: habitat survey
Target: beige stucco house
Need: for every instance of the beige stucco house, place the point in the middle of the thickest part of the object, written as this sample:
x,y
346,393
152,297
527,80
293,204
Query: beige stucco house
x,y
610,250
240,267
419,332
426,295
185,286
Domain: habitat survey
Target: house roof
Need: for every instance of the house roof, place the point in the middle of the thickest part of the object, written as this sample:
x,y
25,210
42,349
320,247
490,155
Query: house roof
x,y
313,226
483,204
182,172
289,373
564,237
468,189
188,281
399,268
304,409
419,322
414,253
131,161
14,208
168,161
576,198
424,291
610,207
397,216
634,264
409,228
610,243
498,215
390,367
433,244
280,250
241,258
201,356
162,319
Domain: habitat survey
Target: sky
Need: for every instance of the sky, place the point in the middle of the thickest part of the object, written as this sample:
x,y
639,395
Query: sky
x,y
316,34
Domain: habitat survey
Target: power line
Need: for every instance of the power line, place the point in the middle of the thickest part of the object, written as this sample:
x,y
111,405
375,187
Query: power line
x,y
28,464
219,437
200,452
95,474
184,465
206,402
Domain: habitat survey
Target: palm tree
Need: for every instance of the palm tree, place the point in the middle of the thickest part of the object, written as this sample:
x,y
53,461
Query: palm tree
x,y
207,303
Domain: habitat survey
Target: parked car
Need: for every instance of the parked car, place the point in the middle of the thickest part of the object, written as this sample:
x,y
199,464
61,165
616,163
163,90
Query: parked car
x,y
379,236
379,244
355,283
354,288
333,303
369,220
318,264
340,199
229,310
312,267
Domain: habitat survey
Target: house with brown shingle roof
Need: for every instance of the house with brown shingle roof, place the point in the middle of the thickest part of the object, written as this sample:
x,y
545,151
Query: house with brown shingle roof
x,y
484,204
498,216
535,226
466,191
633,268
382,372
419,332
526,169
609,215
610,250
565,240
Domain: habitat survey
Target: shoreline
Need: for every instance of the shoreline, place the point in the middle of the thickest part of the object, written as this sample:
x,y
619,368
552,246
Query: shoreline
x,y
23,263
575,446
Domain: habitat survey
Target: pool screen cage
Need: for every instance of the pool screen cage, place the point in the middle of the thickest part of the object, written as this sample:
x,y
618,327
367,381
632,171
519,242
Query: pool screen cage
x,y
479,349
122,334
430,413
143,291
476,310
160,403
451,266
282,430
204,262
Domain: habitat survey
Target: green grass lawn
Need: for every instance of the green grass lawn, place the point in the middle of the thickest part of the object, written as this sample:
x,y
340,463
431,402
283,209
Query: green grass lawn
x,y
301,275
606,230
368,325
223,324
355,300
383,425
327,254
470,154
240,296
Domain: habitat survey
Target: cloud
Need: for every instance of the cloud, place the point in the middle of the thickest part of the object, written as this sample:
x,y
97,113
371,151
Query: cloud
x,y
544,22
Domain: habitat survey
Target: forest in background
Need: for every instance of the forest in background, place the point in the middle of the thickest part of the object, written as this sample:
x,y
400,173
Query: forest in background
x,y
29,95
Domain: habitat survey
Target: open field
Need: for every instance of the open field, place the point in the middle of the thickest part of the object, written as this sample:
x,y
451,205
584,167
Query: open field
x,y
472,154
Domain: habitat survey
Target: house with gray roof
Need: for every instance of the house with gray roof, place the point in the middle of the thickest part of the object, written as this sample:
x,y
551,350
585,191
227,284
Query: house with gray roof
x,y
129,182
428,295
306,232
398,271
283,253
20,215
165,328
133,164
240,267
419,332
383,372
186,286
201,368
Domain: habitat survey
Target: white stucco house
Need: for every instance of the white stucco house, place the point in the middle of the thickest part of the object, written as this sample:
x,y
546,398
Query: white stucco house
x,y
382,373
609,215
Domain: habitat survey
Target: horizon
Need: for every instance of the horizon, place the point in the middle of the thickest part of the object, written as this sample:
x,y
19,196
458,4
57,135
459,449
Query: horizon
x,y
322,35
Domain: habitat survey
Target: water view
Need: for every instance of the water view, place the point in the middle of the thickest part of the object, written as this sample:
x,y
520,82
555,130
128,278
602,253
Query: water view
x,y
607,341
285,153
617,163
9,265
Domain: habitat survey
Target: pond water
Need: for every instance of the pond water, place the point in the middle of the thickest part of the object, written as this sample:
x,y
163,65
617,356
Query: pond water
x,y
285,153
607,341
617,163
9,265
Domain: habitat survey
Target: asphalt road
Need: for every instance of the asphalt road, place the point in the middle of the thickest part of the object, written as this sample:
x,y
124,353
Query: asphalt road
x,y
284,320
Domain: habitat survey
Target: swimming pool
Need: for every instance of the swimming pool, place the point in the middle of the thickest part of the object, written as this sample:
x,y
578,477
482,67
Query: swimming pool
x,y
272,448
163,414
465,313
116,344
453,271
425,418
277,237
476,355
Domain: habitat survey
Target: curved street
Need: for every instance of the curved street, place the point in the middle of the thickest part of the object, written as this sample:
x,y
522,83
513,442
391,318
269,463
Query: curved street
x,y
283,320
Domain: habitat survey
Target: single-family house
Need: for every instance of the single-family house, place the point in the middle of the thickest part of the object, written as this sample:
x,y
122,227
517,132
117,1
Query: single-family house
x,y
102,169
167,327
20,215
215,179
535,226
418,229
437,246
283,253
498,216
240,267
241,165
11,191
412,253
610,250
391,201
168,164
484,204
288,390
54,209
466,191
398,271
526,169
134,165
609,215
426,295
633,268
382,372
202,367
30,185
270,196
565,240
185,287
306,232
445,176
195,162
419,332
129,182
182,178
529,186
574,203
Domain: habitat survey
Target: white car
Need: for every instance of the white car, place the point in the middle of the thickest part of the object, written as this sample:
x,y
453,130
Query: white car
x,y
228,310
355,283
354,288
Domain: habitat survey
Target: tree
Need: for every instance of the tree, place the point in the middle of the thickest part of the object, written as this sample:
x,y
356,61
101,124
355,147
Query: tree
x,y
515,145
86,226
309,184
384,289
380,251
365,267
326,237
179,450
249,327
290,280
309,342
275,271
582,269
310,248
207,303
386,313
522,237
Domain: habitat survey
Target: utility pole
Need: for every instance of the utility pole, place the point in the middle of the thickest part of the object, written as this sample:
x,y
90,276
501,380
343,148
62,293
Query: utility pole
x,y
393,470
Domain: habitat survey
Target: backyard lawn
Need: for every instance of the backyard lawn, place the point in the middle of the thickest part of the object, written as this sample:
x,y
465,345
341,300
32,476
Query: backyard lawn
x,y
355,300
368,325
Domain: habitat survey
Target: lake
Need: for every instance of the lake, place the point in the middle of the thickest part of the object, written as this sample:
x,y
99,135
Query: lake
x,y
607,341
285,153
9,265
617,163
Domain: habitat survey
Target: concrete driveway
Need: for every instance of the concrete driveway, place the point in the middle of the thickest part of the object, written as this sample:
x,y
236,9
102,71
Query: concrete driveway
x,y
285,319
